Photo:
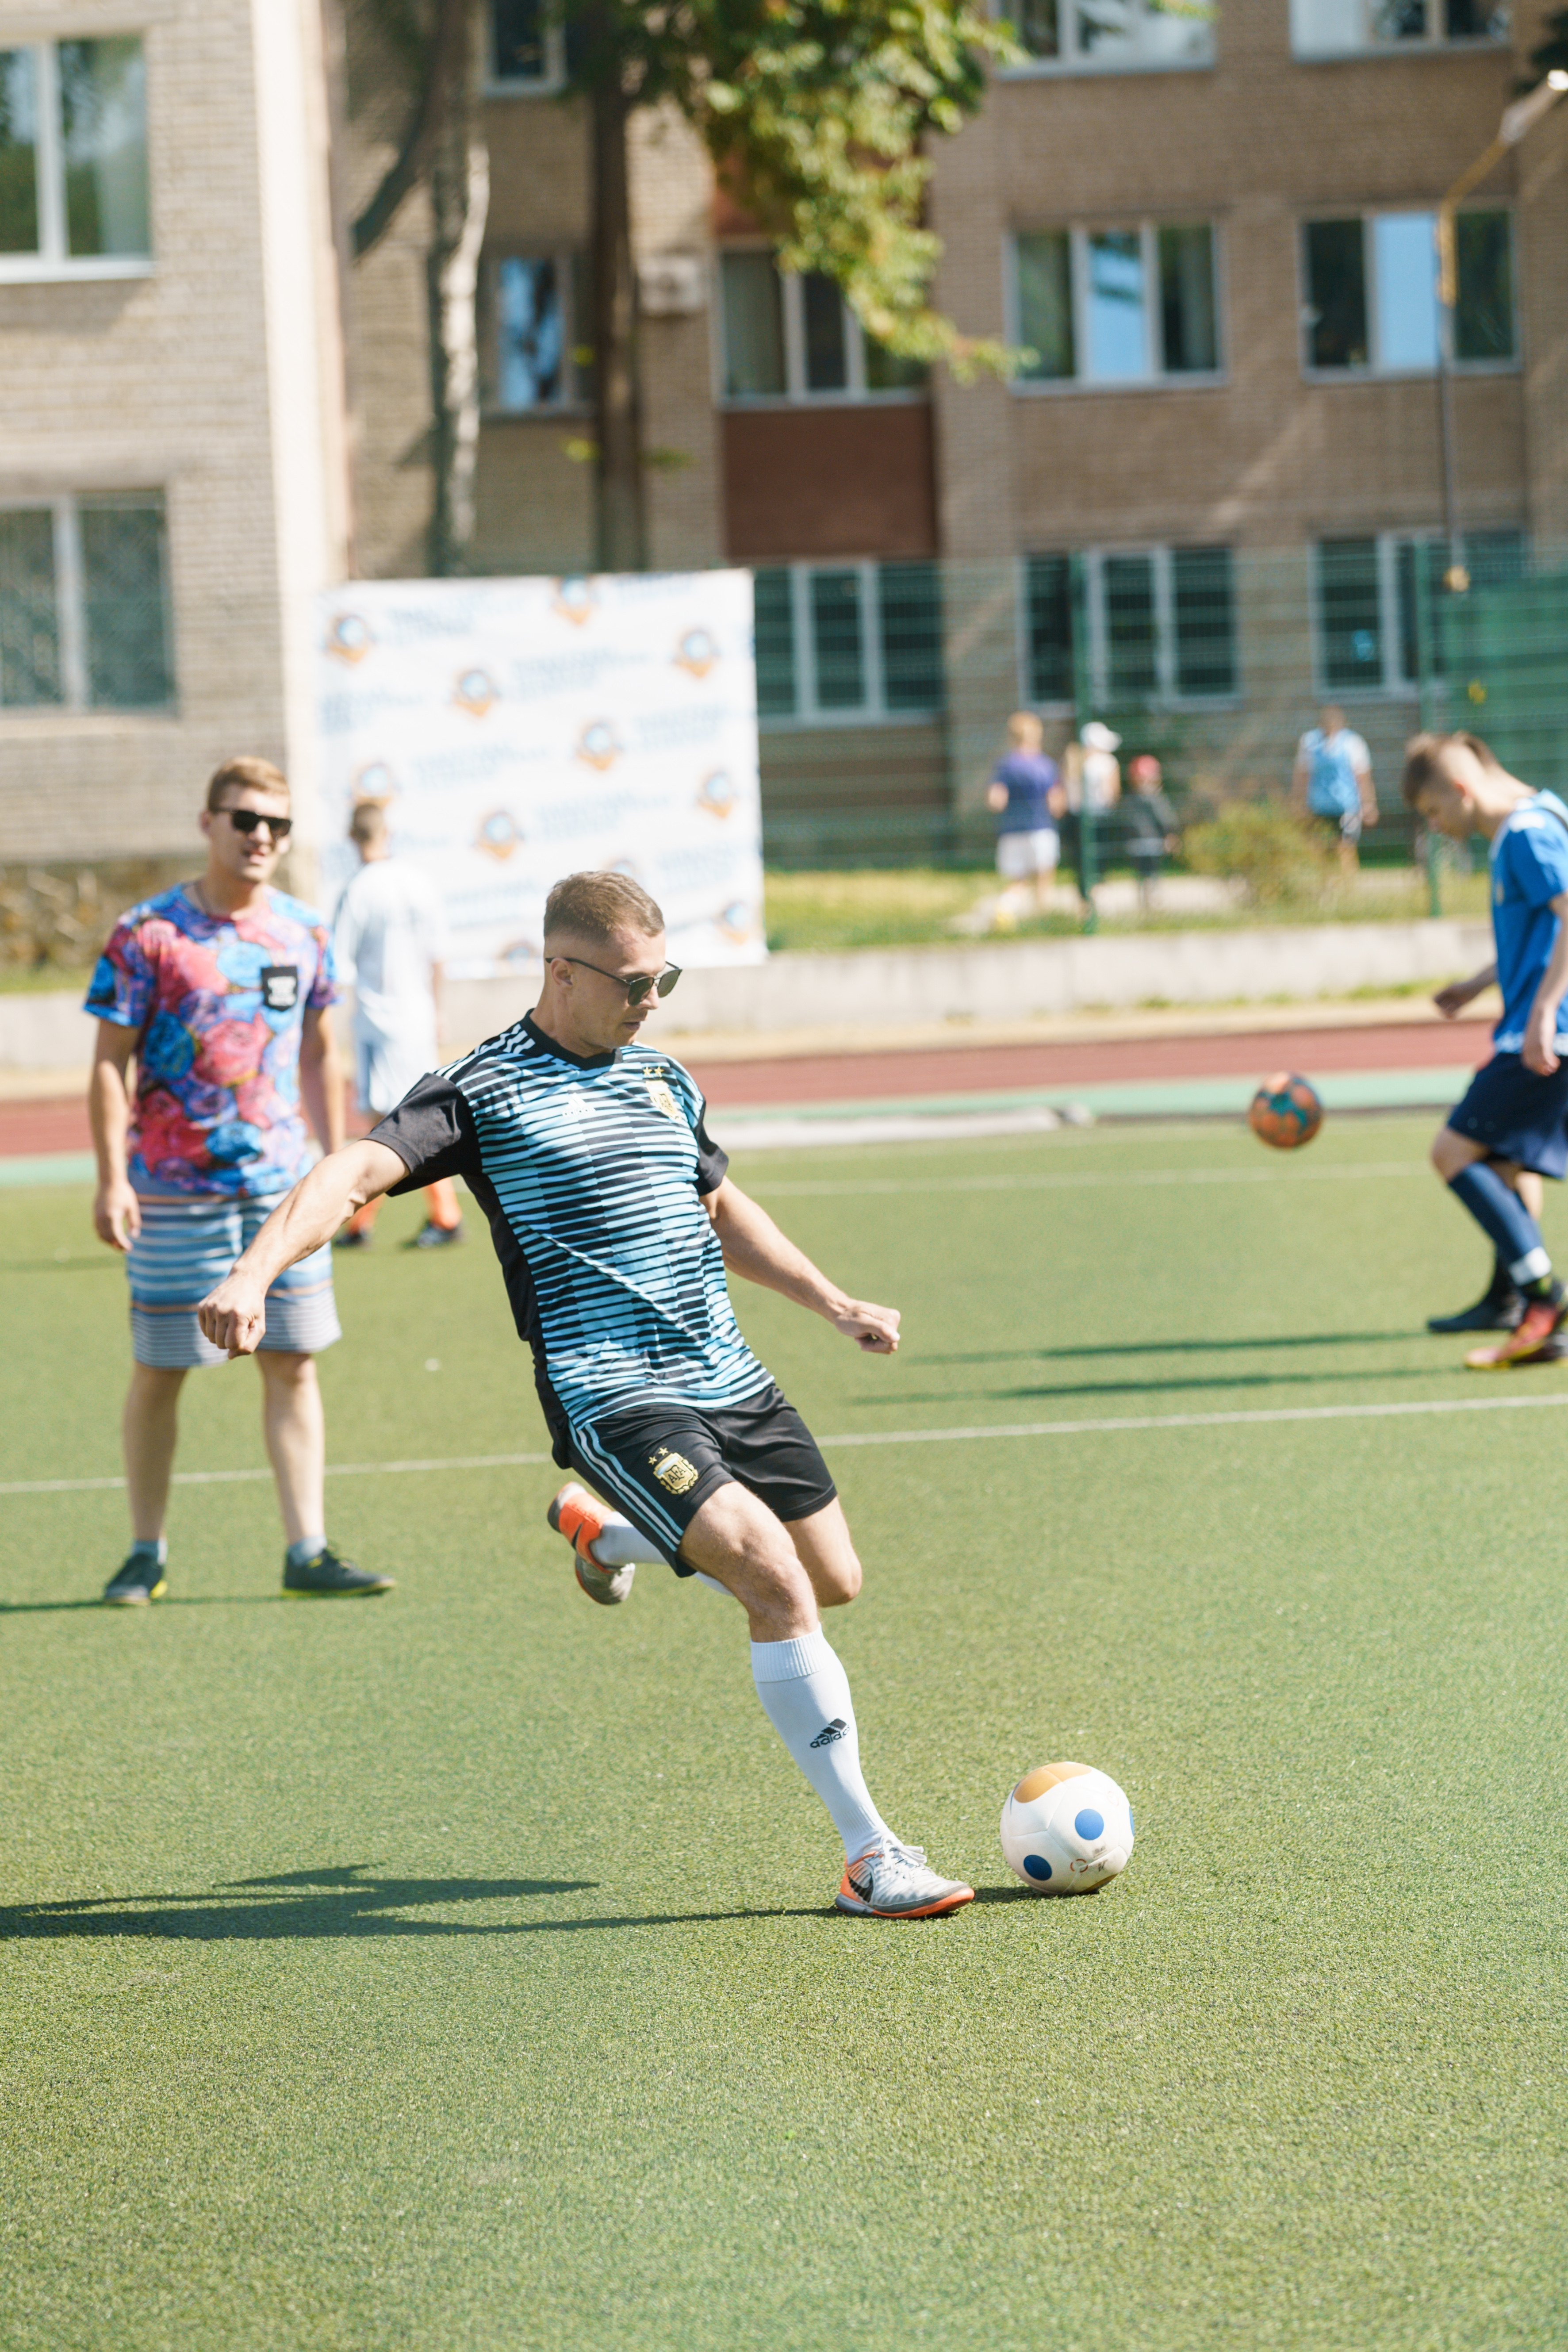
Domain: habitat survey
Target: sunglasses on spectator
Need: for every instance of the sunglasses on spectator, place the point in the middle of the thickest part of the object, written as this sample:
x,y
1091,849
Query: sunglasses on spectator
x,y
638,991
246,820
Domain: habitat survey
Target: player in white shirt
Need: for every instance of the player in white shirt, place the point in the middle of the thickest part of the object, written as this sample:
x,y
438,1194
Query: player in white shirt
x,y
389,940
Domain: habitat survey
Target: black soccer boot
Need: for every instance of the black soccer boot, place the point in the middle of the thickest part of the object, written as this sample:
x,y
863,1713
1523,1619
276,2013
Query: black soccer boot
x,y
139,1580
1499,1309
327,1575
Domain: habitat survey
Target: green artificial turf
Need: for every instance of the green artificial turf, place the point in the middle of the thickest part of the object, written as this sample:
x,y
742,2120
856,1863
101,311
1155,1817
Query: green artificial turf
x,y
457,1970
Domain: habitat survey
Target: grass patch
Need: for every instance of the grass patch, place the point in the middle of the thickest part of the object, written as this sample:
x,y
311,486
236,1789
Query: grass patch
x,y
458,1969
832,912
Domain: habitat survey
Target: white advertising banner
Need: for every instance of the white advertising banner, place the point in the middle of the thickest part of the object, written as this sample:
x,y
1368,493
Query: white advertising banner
x,y
522,730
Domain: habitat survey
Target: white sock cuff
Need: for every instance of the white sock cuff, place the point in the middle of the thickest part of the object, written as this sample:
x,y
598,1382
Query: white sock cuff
x,y
787,1662
1531,1267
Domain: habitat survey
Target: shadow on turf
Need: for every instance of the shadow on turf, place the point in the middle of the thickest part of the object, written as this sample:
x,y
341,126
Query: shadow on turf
x,y
1178,1346
338,1902
1208,1382
178,1601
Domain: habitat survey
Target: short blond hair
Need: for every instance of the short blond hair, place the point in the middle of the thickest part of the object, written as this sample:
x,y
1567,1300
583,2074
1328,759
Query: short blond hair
x,y
246,775
1024,727
1424,760
597,906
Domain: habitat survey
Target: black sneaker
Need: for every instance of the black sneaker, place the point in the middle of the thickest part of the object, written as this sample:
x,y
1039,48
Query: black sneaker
x,y
328,1574
140,1580
351,1238
1499,1310
433,1236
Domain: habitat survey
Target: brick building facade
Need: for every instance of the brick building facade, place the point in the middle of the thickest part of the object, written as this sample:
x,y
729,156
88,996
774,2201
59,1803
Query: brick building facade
x,y
1216,490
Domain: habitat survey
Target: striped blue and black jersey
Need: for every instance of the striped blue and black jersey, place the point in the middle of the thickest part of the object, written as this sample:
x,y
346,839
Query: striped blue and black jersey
x,y
592,1173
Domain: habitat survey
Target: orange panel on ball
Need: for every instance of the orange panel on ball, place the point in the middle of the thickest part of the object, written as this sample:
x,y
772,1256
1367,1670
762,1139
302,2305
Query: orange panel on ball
x,y
1044,1776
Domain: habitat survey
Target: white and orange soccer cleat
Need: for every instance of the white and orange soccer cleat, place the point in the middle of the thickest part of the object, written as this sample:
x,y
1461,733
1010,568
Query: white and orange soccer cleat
x,y
1533,1339
580,1518
890,1881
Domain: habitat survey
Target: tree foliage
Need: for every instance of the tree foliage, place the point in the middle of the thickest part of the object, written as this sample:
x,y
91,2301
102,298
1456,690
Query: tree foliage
x,y
816,114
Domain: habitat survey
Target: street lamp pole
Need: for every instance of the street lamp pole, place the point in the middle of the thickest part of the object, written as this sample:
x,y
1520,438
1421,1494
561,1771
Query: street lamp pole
x,y
1518,119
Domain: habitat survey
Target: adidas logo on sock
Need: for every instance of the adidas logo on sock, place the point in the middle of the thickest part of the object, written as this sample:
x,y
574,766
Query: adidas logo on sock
x,y
830,1732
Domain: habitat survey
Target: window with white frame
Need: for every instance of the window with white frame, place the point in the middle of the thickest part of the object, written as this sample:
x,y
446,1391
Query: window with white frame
x,y
1132,305
1157,624
786,337
1371,286
527,49
73,159
1377,603
841,643
84,606
1337,28
1112,35
535,303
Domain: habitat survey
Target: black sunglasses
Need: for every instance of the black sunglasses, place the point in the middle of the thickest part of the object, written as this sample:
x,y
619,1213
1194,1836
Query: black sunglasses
x,y
246,820
638,991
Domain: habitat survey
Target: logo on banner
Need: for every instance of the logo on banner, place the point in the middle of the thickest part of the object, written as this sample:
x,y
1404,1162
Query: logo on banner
x,y
596,744
498,835
696,652
716,793
735,922
575,599
375,781
476,691
349,637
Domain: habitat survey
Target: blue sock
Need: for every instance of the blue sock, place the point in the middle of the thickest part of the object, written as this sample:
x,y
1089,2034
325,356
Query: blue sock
x,y
1505,1221
154,1548
305,1549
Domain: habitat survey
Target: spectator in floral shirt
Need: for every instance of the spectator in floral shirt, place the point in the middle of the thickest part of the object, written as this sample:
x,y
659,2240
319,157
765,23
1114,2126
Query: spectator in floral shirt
x,y
218,991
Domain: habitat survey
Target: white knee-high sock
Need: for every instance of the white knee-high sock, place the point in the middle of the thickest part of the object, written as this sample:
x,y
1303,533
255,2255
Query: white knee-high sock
x,y
805,1695
620,1544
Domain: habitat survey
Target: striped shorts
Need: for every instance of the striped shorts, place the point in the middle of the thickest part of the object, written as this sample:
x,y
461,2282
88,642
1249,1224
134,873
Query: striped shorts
x,y
184,1250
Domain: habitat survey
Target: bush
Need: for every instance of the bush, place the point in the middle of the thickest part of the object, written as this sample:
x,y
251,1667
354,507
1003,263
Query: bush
x,y
1278,858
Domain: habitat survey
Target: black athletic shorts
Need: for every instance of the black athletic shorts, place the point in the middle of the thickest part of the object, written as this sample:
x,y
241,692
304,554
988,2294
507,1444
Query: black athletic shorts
x,y
1515,1114
659,1463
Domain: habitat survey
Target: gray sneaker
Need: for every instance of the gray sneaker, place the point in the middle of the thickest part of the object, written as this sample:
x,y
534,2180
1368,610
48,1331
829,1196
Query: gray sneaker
x,y
328,1575
136,1583
890,1881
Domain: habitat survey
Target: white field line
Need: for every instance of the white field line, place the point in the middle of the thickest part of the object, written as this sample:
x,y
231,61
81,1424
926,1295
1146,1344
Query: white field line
x,y
1098,1428
1098,1178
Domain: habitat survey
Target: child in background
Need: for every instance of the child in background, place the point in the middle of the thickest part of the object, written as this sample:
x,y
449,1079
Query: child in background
x,y
1152,830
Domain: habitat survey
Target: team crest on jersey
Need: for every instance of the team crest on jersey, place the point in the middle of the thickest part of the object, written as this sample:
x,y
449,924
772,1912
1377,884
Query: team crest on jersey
x,y
280,987
658,1094
673,1470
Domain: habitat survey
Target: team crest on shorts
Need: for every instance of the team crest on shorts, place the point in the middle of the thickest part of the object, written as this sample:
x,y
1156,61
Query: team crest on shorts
x,y
673,1470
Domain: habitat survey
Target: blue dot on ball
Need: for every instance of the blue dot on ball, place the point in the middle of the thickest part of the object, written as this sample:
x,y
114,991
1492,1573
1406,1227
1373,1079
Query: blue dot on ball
x,y
1037,1865
1089,1824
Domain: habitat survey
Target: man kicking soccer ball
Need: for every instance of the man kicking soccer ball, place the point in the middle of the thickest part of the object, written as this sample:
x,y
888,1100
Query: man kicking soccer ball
x,y
614,1221
1509,1131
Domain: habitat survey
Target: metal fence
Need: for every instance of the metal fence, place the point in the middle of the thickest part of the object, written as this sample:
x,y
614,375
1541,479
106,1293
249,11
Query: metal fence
x,y
884,690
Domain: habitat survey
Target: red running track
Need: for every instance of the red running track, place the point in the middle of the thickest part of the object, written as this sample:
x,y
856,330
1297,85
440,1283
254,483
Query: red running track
x,y
996,1069
61,1125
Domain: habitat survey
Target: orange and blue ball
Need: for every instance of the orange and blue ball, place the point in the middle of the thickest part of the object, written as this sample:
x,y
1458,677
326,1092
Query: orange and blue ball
x,y
1285,1112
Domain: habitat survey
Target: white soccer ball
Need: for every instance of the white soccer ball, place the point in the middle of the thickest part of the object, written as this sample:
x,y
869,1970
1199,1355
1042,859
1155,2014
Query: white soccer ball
x,y
1066,1828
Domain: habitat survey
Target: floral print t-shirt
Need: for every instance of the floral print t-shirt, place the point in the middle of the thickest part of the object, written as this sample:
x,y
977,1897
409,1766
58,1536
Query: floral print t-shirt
x,y
218,1005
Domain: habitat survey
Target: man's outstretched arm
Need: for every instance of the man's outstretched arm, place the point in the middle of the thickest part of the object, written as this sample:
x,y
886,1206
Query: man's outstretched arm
x,y
234,1316
754,1248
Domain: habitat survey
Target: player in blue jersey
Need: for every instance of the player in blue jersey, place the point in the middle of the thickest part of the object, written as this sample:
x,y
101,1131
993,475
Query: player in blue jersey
x,y
615,1220
1509,1131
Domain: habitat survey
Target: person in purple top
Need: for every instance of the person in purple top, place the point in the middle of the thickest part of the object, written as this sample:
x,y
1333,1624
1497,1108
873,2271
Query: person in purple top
x,y
1027,799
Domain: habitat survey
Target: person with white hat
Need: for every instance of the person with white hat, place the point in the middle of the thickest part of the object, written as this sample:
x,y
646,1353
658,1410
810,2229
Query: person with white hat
x,y
1093,787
